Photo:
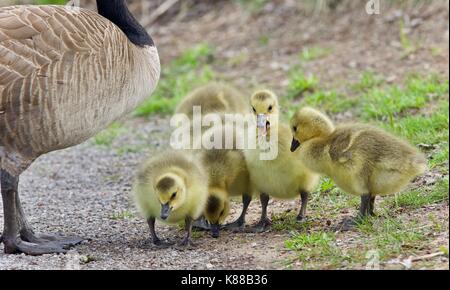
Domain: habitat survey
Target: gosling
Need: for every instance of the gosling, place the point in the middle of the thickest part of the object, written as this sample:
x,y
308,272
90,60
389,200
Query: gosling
x,y
362,160
171,187
228,177
214,98
285,176
220,99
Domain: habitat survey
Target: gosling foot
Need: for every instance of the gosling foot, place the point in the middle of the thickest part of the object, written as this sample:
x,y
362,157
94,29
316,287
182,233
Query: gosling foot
x,y
201,225
301,219
349,224
236,226
262,226
186,243
163,244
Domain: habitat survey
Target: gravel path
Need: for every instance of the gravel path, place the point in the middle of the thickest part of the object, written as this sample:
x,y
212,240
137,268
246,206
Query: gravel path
x,y
85,190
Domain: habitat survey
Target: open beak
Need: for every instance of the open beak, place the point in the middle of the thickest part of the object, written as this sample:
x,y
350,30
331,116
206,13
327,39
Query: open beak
x,y
215,231
165,211
295,144
263,124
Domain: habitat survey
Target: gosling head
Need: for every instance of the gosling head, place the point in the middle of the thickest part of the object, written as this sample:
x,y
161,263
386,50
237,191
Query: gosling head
x,y
308,123
265,107
217,209
171,192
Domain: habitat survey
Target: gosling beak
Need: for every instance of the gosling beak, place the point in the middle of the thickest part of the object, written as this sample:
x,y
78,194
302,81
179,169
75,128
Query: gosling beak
x,y
165,211
295,144
263,124
215,231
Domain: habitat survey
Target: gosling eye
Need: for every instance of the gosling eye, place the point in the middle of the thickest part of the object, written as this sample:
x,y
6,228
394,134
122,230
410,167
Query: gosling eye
x,y
294,128
222,212
173,195
270,108
254,111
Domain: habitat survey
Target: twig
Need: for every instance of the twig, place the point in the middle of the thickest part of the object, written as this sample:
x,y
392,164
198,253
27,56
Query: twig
x,y
163,8
426,257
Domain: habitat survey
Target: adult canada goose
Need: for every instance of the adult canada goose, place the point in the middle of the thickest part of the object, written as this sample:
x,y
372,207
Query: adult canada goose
x,y
65,75
361,159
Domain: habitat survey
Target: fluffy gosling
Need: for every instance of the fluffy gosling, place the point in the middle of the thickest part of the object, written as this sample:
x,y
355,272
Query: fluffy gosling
x,y
284,177
362,160
171,187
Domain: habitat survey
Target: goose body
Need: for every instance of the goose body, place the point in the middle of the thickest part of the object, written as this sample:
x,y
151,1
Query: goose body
x,y
65,74
361,159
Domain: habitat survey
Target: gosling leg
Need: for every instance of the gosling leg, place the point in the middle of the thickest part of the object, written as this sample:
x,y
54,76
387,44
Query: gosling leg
x,y
155,239
364,211
304,196
201,224
188,228
264,223
238,225
372,206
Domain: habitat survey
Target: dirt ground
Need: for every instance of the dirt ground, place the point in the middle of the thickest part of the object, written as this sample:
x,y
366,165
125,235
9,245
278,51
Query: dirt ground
x,y
84,190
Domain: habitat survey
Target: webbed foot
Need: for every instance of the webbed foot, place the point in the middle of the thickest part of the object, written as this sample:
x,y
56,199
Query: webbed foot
x,y
262,226
18,246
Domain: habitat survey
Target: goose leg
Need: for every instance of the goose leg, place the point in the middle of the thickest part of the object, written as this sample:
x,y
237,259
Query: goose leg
x,y
239,224
27,233
12,240
304,196
264,223
156,241
187,241
364,211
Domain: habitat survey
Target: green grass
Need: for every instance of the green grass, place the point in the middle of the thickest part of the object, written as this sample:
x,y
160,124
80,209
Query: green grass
x,y
252,5
122,215
383,103
299,83
440,157
420,197
315,246
431,129
107,136
384,238
314,53
368,80
406,43
178,79
287,221
329,101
